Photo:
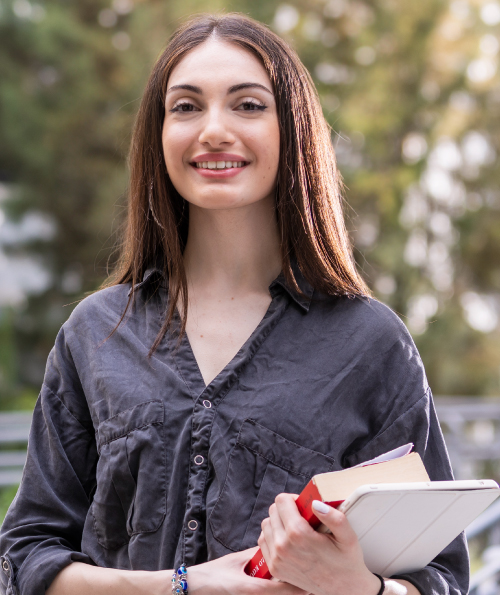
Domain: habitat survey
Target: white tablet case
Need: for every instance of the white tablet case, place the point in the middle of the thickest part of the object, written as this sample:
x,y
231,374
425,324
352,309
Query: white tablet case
x,y
402,527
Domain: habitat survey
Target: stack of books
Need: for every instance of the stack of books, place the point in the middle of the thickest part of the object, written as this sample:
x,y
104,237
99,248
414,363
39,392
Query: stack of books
x,y
402,519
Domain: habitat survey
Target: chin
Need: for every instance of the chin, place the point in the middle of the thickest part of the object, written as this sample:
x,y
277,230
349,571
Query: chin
x,y
221,202
221,205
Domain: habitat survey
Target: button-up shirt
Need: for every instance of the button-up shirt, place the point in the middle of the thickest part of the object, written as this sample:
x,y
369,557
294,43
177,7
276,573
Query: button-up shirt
x,y
134,463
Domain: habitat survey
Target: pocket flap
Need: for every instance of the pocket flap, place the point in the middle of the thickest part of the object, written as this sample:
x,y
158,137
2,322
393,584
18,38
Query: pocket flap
x,y
139,416
282,452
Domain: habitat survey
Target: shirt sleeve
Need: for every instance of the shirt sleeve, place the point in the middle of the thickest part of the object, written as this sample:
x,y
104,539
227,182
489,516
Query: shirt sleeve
x,y
43,528
448,573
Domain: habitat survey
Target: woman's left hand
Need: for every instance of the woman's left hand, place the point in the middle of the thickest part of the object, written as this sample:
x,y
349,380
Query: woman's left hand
x,y
317,563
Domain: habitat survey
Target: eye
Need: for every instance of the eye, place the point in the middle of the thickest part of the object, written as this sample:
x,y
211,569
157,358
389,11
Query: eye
x,y
184,107
252,106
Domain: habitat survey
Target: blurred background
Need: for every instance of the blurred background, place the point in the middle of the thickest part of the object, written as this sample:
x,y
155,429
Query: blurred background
x,y
412,92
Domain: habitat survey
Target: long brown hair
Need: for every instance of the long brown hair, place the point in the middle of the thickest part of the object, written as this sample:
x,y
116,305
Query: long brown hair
x,y
309,186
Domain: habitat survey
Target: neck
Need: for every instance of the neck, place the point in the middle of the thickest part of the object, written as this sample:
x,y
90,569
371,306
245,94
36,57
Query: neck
x,y
233,249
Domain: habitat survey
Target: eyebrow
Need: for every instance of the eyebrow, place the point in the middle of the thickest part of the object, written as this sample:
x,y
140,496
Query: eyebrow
x,y
236,88
233,89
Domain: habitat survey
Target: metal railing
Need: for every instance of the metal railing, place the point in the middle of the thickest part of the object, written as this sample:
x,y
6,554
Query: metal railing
x,y
14,431
485,580
471,427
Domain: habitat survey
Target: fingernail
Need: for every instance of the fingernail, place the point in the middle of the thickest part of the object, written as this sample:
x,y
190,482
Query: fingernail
x,y
320,507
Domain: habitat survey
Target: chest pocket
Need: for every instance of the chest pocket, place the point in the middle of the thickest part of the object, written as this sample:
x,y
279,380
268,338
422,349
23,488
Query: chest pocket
x,y
261,465
130,496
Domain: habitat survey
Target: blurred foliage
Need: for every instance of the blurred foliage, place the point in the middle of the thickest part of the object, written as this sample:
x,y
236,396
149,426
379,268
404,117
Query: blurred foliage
x,y
6,497
411,91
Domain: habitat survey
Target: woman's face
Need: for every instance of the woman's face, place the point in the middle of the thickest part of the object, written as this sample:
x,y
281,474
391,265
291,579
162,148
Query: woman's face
x,y
220,134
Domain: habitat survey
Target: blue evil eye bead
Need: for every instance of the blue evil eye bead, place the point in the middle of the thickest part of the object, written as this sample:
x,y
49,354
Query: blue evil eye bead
x,y
184,585
182,569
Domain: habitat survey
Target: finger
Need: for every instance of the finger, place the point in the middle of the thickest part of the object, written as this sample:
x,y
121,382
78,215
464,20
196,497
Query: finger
x,y
291,519
266,539
276,523
335,521
264,548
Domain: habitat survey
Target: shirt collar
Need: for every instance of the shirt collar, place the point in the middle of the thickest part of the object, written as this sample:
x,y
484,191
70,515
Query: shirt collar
x,y
149,275
304,301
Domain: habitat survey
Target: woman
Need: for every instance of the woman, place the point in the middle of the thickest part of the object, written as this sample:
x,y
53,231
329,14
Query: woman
x,y
235,355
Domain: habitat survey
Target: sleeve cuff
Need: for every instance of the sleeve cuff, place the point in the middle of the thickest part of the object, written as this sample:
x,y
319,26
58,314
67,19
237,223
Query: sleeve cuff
x,y
40,569
428,581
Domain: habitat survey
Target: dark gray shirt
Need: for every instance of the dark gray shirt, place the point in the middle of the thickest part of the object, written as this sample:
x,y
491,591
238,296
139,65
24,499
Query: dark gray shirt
x,y
135,463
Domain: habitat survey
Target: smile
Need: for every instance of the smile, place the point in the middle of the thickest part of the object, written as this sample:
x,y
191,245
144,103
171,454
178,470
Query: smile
x,y
219,164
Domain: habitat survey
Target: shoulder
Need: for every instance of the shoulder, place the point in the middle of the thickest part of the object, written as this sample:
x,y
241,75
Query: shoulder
x,y
388,390
368,335
105,305
94,318
379,317
365,318
371,310
89,325
96,314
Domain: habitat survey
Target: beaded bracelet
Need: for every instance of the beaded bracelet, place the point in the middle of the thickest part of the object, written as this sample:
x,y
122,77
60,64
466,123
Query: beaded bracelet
x,y
179,581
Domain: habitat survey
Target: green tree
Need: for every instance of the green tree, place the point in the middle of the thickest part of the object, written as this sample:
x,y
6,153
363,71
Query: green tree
x,y
411,92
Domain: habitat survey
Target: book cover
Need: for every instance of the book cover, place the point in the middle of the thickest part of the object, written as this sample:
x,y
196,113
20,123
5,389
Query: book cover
x,y
334,487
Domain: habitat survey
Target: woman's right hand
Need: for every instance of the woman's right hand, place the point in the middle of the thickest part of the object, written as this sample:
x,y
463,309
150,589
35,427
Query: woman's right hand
x,y
227,576
224,576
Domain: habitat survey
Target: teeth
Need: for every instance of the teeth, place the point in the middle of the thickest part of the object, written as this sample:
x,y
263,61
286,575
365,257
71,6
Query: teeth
x,y
219,164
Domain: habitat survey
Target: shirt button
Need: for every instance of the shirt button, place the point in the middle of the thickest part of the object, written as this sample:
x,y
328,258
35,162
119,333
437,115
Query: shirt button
x,y
193,525
5,567
198,459
207,404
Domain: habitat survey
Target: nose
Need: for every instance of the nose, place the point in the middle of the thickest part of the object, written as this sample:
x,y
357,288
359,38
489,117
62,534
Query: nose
x,y
215,129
